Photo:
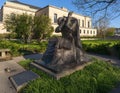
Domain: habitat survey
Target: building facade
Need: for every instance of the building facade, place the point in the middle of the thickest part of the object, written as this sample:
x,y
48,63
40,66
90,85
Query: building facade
x,y
117,32
9,7
85,22
14,7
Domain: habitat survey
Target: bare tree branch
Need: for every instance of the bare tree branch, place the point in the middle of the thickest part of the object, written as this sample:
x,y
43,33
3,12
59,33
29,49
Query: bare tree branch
x,y
99,8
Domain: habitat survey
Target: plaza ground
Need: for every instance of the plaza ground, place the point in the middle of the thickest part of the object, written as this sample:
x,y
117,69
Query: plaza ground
x,y
7,87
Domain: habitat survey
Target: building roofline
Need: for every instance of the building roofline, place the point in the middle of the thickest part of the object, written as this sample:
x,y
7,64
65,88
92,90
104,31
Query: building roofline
x,y
67,11
35,7
18,2
42,8
53,7
60,9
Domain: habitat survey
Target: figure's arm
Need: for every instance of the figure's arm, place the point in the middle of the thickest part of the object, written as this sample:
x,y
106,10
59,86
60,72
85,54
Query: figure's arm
x,y
71,23
61,23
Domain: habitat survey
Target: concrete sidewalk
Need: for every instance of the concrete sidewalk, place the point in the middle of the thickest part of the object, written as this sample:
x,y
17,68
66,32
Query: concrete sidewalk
x,y
114,60
5,84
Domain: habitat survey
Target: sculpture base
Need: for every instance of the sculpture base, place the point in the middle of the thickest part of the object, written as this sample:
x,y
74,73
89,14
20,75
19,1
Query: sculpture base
x,y
57,75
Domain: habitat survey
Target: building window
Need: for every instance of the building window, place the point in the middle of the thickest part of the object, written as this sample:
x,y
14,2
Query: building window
x,y
80,31
87,31
79,22
45,14
84,31
82,23
1,15
7,30
88,24
12,16
55,18
91,32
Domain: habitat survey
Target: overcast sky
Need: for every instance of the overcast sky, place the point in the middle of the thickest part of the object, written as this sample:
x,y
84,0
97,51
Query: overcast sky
x,y
61,3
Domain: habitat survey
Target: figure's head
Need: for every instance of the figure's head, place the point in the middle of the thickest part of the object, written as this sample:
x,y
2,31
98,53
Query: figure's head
x,y
70,14
61,22
65,25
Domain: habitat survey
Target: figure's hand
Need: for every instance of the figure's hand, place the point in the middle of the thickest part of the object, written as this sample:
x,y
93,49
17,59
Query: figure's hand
x,y
58,29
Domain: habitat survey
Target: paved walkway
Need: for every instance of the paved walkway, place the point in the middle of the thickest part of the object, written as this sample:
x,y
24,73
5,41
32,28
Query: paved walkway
x,y
114,60
5,84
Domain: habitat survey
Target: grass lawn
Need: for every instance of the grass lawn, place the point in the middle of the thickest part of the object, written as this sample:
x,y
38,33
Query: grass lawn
x,y
98,77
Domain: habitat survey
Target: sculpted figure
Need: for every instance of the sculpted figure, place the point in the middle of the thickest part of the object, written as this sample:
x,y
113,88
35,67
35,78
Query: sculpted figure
x,y
66,51
69,28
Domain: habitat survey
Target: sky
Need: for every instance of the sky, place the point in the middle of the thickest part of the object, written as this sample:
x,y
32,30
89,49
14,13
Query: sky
x,y
61,3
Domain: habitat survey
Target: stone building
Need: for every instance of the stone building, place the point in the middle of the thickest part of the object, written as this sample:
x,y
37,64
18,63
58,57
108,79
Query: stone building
x,y
16,7
53,12
117,32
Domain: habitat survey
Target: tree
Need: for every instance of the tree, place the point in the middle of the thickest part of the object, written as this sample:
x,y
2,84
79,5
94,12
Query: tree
x,y
110,32
42,27
10,22
25,26
99,8
21,25
102,26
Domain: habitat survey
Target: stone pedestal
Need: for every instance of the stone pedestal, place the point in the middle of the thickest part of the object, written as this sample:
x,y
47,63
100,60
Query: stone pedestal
x,y
57,75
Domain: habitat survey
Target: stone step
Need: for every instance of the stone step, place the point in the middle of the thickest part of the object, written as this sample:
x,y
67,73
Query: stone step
x,y
61,74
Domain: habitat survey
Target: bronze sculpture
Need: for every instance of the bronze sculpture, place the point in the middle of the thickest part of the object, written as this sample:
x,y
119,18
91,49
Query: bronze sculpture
x,y
65,52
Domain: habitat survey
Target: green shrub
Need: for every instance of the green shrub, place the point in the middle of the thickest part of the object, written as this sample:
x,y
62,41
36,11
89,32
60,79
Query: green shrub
x,y
4,36
98,77
17,48
102,47
117,49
